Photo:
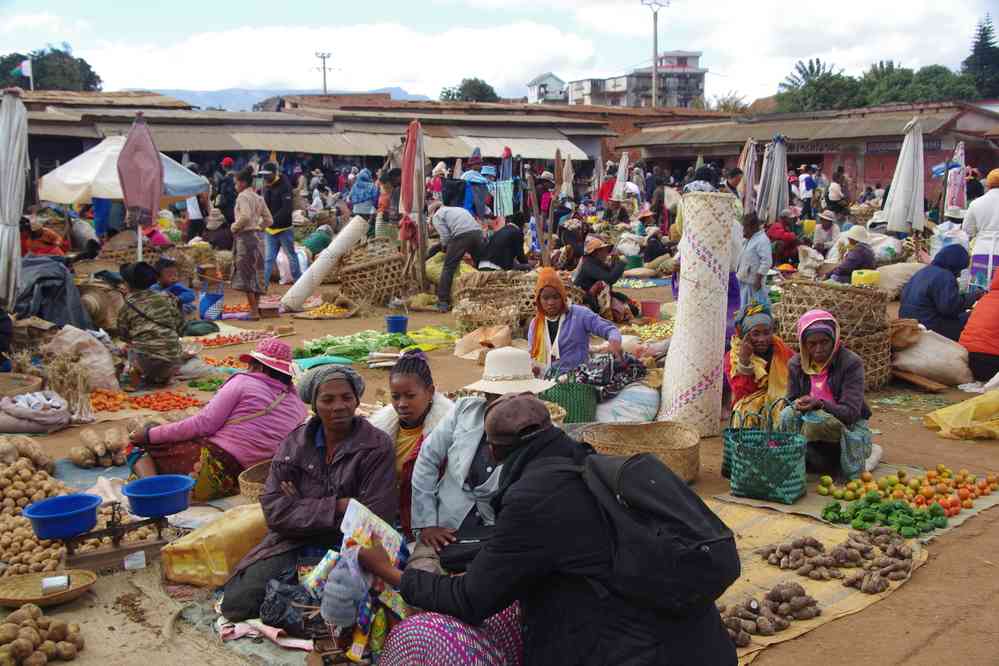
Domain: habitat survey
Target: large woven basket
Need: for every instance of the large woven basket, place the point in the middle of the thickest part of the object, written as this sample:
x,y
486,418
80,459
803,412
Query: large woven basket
x,y
31,333
496,298
678,446
859,310
27,588
873,349
12,383
252,480
373,272
126,255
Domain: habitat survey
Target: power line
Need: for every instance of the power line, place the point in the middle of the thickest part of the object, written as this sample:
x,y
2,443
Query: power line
x,y
323,56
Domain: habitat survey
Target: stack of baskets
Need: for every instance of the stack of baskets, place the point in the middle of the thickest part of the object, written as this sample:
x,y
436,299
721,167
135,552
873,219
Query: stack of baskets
x,y
373,272
31,333
495,298
678,446
862,313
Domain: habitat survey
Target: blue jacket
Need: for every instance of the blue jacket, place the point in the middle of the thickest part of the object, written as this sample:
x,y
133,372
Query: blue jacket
x,y
932,295
183,294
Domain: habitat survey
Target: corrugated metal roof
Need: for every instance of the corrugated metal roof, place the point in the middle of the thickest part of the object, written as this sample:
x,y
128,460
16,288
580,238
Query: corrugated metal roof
x,y
317,144
130,98
852,127
588,131
529,148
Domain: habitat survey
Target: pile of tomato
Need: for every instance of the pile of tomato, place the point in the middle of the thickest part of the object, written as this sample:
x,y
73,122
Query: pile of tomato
x,y
102,400
164,401
227,362
238,339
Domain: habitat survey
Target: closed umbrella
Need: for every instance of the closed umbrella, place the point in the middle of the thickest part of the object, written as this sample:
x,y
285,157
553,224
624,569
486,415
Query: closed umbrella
x,y
904,207
568,178
622,178
957,195
773,181
412,194
747,162
13,176
140,174
598,176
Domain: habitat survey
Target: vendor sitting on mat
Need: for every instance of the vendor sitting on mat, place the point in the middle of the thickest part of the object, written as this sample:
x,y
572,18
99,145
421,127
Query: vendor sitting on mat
x,y
981,335
859,255
335,457
169,281
826,387
757,364
150,323
933,296
596,275
243,424
458,499
559,334
782,236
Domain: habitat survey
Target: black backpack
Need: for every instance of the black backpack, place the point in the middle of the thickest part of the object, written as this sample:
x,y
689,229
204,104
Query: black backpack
x,y
670,551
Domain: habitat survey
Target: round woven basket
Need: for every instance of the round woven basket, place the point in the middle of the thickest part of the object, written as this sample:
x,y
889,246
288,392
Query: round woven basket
x,y
26,588
252,480
678,446
12,383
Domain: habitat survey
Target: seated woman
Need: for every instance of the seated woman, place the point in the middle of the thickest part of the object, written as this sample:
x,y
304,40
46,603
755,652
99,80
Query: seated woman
x,y
416,409
335,457
785,241
559,334
757,364
596,275
826,233
654,246
826,387
933,297
859,255
243,424
169,281
549,554
459,499
150,322
981,335
37,239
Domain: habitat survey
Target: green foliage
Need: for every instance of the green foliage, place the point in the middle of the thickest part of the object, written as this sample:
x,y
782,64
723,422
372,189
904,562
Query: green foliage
x,y
53,69
805,73
470,90
983,63
828,91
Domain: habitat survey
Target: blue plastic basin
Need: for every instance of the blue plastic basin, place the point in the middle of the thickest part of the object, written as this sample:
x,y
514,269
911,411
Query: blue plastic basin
x,y
156,496
396,323
63,517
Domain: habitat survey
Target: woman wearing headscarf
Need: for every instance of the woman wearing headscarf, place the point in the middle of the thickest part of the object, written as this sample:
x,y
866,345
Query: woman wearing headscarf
x,y
559,334
334,457
437,181
933,297
364,194
757,363
549,554
826,387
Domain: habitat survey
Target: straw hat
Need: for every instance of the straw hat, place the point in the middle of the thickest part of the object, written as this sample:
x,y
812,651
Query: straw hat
x,y
859,234
828,215
273,353
547,175
594,243
509,370
955,212
645,212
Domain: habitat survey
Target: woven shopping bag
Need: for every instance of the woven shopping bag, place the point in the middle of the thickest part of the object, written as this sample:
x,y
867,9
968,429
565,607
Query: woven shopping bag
x,y
764,463
578,400
211,300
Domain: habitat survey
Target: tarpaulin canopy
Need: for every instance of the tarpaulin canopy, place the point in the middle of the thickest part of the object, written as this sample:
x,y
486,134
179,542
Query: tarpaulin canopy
x,y
13,175
904,207
95,174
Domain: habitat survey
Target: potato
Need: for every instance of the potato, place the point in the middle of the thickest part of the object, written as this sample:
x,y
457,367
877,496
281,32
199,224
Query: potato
x,y
36,658
19,616
24,474
21,648
66,651
8,632
76,639
58,630
49,648
31,634
73,628
82,457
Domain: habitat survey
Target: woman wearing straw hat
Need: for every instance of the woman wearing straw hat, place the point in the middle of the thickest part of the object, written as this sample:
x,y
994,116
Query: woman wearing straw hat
x,y
459,499
859,256
243,424
597,273
826,233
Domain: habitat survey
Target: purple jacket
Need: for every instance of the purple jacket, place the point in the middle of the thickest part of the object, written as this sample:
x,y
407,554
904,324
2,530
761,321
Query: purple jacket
x,y
363,468
574,337
860,258
251,440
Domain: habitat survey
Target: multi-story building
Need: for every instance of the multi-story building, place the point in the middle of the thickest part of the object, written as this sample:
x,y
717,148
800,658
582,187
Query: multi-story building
x,y
681,83
546,88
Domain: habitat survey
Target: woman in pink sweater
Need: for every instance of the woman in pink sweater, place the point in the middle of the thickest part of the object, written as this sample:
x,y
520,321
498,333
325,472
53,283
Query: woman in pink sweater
x,y
243,424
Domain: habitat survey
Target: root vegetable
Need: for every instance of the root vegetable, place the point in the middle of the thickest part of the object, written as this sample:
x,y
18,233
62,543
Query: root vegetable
x,y
76,639
82,457
66,651
58,630
8,632
21,648
806,613
31,634
802,602
19,616
898,575
749,626
765,627
36,658
49,648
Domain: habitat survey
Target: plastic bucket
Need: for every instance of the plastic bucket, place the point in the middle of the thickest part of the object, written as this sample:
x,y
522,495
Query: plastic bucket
x,y
650,309
63,517
808,226
162,495
396,323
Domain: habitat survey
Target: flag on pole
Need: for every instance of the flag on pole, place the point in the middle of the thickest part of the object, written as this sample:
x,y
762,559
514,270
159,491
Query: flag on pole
x,y
24,69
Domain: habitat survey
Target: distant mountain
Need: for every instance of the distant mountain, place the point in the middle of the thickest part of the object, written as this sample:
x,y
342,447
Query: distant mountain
x,y
243,99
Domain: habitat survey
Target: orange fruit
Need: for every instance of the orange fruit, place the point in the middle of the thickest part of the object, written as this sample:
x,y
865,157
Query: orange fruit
x,y
963,493
926,492
866,477
931,475
942,489
897,494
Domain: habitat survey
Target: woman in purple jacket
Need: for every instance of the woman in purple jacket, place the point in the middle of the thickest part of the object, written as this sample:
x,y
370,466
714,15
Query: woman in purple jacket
x,y
559,335
243,424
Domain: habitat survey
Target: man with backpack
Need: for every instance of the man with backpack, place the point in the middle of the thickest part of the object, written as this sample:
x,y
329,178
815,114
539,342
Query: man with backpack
x,y
597,583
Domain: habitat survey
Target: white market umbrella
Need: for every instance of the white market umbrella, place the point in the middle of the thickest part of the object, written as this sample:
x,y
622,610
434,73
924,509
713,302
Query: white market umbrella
x,y
13,176
598,177
773,181
747,162
95,174
622,178
568,179
904,207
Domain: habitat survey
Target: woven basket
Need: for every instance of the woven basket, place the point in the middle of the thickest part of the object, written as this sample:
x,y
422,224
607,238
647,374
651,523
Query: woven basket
x,y
578,400
678,446
252,480
27,588
12,383
874,350
32,333
556,412
859,310
497,298
767,465
127,255
373,272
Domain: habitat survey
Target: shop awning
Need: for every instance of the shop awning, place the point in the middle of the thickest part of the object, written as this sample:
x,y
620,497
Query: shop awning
x,y
531,148
316,144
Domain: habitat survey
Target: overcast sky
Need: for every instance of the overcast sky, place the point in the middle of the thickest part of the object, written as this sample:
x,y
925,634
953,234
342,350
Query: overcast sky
x,y
423,45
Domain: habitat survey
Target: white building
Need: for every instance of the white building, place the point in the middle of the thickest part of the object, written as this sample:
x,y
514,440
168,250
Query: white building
x,y
545,88
681,83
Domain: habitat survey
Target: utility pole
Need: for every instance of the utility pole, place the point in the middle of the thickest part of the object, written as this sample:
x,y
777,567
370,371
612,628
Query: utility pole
x,y
655,6
323,56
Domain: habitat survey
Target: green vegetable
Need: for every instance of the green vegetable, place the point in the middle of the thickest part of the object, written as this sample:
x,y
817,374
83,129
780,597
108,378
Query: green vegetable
x,y
859,524
872,497
909,532
940,522
937,511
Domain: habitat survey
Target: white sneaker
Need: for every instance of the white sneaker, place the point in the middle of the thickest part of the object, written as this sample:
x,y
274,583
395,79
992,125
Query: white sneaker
x,y
875,458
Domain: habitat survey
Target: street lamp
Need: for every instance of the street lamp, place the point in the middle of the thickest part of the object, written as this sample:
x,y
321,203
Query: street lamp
x,y
323,57
655,6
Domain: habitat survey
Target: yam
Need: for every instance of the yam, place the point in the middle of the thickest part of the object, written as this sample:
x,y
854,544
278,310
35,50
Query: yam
x,y
742,639
8,632
806,613
764,626
58,630
802,602
82,457
115,439
66,651
21,648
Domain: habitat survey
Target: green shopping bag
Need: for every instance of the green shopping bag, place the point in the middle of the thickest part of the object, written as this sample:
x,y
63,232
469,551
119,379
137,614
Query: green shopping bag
x,y
763,462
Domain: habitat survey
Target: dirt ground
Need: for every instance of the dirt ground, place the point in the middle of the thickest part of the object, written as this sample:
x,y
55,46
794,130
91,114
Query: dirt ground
x,y
945,613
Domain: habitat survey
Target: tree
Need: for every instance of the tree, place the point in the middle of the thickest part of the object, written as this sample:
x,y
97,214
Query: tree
x,y
825,92
804,73
983,63
731,102
470,90
53,69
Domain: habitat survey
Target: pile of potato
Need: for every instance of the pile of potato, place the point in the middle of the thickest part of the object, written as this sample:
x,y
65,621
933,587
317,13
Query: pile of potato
x,y
13,447
22,552
28,638
21,484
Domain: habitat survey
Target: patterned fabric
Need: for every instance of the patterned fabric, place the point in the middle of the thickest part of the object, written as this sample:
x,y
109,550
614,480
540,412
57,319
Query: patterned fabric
x,y
608,376
248,264
219,472
821,426
151,323
433,639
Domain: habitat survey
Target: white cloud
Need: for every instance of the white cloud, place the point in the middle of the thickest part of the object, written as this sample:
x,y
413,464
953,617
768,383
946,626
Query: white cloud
x,y
364,57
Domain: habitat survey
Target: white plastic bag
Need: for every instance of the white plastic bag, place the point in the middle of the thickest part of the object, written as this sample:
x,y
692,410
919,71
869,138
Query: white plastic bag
x,y
636,403
935,357
41,412
629,245
894,277
93,355
284,265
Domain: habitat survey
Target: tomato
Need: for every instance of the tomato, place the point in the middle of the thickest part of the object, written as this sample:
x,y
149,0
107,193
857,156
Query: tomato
x,y
963,493
967,504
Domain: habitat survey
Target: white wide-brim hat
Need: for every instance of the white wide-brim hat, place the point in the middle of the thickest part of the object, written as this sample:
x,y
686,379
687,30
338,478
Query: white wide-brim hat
x,y
509,370
859,234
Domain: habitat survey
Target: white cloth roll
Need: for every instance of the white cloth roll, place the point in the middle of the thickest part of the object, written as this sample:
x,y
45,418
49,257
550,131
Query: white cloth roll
x,y
351,235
